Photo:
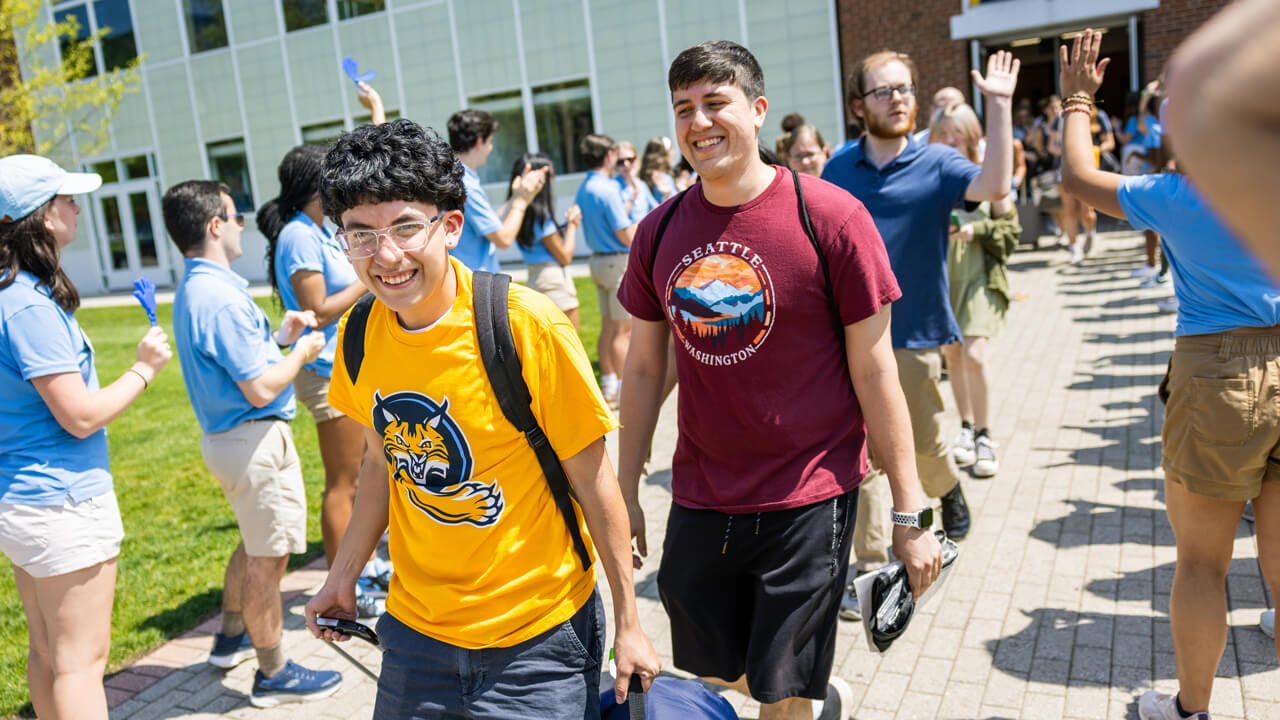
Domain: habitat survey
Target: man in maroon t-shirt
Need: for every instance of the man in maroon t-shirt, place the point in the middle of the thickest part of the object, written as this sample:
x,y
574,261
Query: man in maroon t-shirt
x,y
773,434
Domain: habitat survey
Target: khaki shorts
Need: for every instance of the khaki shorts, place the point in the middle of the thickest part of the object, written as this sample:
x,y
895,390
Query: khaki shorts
x,y
313,391
606,273
553,280
258,467
1221,433
51,540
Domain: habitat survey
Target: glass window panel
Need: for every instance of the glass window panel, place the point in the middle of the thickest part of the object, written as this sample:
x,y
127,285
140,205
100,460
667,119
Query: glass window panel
x,y
355,8
69,45
206,25
115,233
136,167
322,133
563,116
228,163
509,141
143,230
299,14
118,46
107,169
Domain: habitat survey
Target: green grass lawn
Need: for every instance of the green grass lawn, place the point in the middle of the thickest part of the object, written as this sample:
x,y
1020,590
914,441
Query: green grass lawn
x,y
179,530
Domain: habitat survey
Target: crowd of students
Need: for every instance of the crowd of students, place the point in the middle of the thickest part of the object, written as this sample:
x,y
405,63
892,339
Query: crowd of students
x,y
810,436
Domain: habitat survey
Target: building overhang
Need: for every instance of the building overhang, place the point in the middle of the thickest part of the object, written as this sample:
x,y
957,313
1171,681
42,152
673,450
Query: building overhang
x,y
1008,19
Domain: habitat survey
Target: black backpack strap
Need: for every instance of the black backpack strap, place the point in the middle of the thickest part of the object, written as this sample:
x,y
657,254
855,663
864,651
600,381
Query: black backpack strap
x,y
822,258
353,336
502,364
662,228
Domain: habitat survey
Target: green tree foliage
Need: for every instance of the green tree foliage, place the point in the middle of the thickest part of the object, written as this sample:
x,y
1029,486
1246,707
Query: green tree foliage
x,y
49,104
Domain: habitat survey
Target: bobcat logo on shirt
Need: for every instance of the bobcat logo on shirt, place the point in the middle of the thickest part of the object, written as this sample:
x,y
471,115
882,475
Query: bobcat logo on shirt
x,y
720,300
430,460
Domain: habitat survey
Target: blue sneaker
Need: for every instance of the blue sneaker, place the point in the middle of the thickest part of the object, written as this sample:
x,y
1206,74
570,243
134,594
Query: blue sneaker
x,y
230,651
293,684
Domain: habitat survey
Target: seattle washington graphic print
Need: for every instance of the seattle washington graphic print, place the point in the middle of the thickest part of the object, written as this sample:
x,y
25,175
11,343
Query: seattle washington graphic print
x,y
721,302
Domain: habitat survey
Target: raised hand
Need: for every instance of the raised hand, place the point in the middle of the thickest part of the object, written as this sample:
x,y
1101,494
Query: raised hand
x,y
1081,70
1002,75
294,322
530,183
573,216
154,351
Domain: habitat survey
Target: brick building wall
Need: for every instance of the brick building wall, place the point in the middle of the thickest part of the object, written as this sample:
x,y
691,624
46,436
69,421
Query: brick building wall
x,y
1166,27
922,29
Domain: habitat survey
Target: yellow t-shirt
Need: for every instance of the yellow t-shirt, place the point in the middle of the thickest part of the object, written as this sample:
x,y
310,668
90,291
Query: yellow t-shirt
x,y
482,555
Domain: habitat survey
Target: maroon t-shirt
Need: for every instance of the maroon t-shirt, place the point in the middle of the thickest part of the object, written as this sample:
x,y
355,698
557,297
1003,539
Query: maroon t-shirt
x,y
768,418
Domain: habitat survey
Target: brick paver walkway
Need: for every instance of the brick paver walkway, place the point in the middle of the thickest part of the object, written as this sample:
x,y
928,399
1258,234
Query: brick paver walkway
x,y
1058,606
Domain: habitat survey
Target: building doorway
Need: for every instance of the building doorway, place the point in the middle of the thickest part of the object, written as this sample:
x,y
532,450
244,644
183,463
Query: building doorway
x,y
127,217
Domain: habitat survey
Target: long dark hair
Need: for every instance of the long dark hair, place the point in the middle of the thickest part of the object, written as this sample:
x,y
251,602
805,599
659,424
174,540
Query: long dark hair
x,y
299,174
28,245
542,206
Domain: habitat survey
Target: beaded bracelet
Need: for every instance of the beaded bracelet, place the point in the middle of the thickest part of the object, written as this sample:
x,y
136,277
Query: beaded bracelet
x,y
1078,97
1077,108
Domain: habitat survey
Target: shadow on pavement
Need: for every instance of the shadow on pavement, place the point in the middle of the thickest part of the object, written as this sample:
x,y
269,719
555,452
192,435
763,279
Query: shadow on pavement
x,y
1095,523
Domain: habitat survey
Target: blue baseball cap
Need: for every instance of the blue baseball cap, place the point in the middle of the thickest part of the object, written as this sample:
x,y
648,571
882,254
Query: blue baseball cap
x,y
29,181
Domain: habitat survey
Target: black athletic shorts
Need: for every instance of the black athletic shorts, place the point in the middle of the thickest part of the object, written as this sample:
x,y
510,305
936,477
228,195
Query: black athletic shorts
x,y
758,594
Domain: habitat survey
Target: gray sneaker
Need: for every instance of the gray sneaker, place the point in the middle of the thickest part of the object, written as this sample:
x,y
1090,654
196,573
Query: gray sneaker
x,y
963,450
1267,623
985,464
849,608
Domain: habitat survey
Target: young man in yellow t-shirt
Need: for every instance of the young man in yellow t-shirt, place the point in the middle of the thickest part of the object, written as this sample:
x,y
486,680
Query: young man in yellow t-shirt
x,y
490,611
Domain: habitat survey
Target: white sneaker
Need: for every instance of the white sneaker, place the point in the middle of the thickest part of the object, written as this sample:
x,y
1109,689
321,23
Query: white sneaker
x,y
1167,305
838,703
1142,272
962,450
985,464
1158,706
1077,254
1154,280
1267,623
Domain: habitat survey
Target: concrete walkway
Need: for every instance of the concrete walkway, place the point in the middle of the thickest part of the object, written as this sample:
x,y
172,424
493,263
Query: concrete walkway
x,y
1058,606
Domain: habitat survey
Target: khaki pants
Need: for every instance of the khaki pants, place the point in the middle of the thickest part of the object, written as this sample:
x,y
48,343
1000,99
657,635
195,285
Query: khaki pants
x,y
920,371
872,533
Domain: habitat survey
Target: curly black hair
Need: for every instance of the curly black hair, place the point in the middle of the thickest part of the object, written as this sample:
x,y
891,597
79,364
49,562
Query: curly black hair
x,y
400,160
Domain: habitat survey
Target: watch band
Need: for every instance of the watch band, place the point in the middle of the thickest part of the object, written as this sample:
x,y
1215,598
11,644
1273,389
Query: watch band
x,y
921,519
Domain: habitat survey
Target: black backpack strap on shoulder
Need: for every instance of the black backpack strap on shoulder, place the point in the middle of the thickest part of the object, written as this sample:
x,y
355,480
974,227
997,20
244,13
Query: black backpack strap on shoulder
x,y
353,336
502,365
662,228
822,258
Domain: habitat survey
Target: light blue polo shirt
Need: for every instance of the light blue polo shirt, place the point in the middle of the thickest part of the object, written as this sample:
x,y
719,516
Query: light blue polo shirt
x,y
473,248
538,252
910,200
40,462
643,202
223,338
1220,286
603,213
302,246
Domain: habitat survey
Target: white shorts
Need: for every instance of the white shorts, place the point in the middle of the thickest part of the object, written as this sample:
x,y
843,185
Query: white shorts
x,y
49,540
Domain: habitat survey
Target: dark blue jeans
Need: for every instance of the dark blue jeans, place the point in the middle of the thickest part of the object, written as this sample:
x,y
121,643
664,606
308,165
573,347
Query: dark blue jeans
x,y
554,675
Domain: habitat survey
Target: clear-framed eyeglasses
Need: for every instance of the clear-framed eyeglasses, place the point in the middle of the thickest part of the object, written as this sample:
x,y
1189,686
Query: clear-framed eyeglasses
x,y
407,236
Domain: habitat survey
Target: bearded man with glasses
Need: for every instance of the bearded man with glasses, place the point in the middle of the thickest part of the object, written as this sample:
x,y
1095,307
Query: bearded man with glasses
x,y
491,612
910,188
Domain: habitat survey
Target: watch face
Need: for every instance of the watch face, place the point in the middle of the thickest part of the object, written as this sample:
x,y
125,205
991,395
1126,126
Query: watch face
x,y
926,517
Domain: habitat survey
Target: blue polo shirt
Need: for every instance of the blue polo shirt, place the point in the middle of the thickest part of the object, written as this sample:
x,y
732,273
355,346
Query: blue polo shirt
x,y
302,246
910,199
223,338
643,201
537,252
474,249
40,462
603,213
1219,284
